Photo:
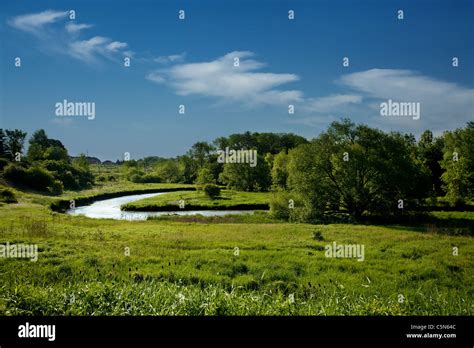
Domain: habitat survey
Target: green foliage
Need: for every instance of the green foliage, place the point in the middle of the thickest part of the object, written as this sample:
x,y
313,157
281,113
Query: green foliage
x,y
279,206
357,169
72,177
43,148
7,195
145,178
56,153
280,171
81,162
3,163
458,163
205,176
3,144
212,191
56,188
263,142
170,171
13,142
430,153
243,177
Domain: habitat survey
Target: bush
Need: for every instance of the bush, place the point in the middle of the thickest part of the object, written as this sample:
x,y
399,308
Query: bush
x,y
212,191
146,178
15,173
7,196
3,163
56,188
72,178
38,178
34,177
280,206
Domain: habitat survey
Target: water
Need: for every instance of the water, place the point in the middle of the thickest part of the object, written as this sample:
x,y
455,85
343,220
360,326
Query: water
x,y
110,209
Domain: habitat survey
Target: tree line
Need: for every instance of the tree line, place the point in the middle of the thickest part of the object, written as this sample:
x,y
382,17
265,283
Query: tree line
x,y
351,168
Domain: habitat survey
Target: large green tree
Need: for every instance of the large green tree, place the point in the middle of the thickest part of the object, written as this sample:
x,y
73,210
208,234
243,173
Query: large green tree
x,y
458,163
357,169
430,152
243,177
15,140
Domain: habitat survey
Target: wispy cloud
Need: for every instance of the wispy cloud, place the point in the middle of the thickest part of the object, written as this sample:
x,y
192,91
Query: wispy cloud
x,y
74,28
35,22
220,78
443,104
174,58
331,102
58,34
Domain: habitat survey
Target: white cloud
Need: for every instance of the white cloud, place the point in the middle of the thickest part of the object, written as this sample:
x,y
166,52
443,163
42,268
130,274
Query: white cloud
x,y
34,22
156,77
73,28
116,46
329,103
87,50
444,105
56,36
174,58
219,78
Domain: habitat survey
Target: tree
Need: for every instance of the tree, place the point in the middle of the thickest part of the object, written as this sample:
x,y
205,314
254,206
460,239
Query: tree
x,y
170,171
3,144
243,177
205,176
81,162
200,152
41,147
430,152
280,171
56,153
358,169
14,142
458,163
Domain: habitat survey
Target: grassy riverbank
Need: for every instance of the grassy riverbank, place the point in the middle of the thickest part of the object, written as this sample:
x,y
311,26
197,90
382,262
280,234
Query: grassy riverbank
x,y
199,266
197,200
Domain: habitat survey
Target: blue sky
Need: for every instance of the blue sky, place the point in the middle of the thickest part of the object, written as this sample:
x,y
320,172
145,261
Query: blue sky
x,y
190,62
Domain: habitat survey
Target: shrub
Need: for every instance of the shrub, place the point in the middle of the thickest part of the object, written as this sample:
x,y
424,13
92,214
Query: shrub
x,y
212,191
72,177
35,177
150,178
38,178
136,178
15,173
7,196
56,188
317,235
279,206
3,163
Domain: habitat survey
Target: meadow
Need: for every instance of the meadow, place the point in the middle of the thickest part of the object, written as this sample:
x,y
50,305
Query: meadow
x,y
196,200
241,265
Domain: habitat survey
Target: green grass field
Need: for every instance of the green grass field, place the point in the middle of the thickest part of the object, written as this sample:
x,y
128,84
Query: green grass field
x,y
191,266
198,200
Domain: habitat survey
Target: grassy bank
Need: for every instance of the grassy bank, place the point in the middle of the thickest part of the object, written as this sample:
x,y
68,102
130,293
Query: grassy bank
x,y
197,200
186,267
